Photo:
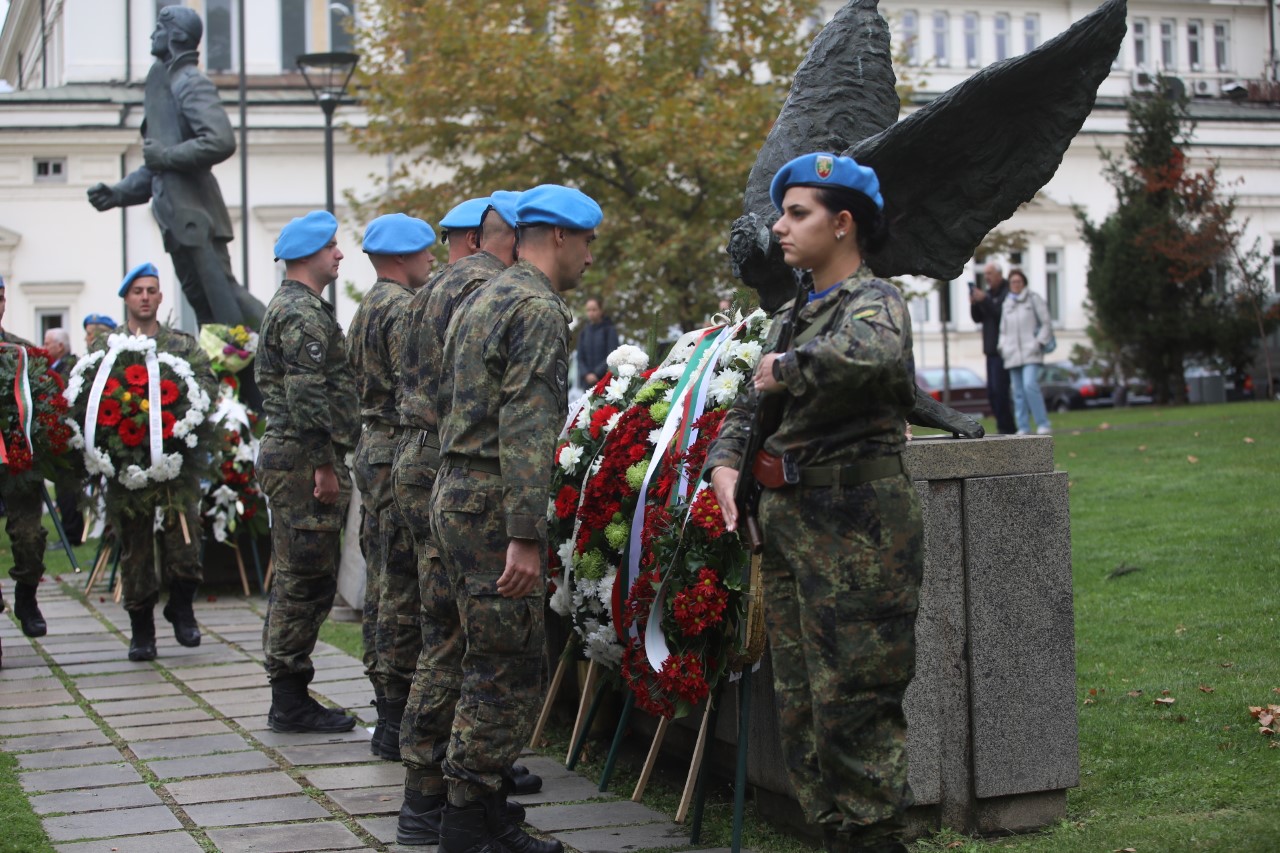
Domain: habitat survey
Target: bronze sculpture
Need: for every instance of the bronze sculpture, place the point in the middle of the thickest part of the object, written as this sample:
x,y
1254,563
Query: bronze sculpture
x,y
949,179
186,132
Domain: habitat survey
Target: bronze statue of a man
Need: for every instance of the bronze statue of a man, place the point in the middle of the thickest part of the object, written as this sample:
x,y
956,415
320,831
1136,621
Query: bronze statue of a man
x,y
185,133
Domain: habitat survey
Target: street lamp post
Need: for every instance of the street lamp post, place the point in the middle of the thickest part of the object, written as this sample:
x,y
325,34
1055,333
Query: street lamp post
x,y
327,75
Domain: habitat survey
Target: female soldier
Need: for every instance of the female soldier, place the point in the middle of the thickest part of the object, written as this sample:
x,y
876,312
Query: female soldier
x,y
843,556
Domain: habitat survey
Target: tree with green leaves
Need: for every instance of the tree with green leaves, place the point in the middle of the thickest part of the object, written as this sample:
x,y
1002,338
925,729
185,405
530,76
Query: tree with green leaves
x,y
656,108
1162,276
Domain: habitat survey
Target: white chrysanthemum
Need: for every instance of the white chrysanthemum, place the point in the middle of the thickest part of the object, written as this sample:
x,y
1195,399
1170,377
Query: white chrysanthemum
x,y
551,510
724,386
565,552
670,395
655,435
612,422
627,360
603,647
191,440
668,373
595,465
560,600
584,418
617,390
749,352
244,452
570,456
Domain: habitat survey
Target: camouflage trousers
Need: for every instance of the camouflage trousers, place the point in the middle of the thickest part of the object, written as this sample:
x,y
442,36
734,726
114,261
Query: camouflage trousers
x,y
425,727
306,538
149,555
390,627
496,656
842,570
23,510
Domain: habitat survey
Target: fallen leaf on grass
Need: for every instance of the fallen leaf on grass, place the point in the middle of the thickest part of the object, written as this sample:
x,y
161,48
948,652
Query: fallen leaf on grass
x,y
1104,425
1135,693
1091,701
1248,440
1126,850
1142,448
1275,690
1180,630
953,845
1072,455
1193,459
1266,730
1204,688
1168,700
1122,569
1226,664
1093,691
1165,692
1275,744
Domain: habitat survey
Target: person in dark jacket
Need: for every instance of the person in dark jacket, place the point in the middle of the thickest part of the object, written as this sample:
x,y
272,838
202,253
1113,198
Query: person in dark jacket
x,y
597,339
984,307
57,342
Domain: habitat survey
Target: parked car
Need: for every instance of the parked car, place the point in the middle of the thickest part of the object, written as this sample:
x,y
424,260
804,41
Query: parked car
x,y
1066,387
968,390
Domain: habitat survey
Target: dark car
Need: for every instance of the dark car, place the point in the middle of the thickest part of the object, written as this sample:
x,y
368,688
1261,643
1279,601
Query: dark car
x,y
968,391
1066,387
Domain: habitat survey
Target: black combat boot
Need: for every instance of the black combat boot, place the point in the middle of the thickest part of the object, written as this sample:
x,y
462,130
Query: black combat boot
x,y
143,644
178,611
293,710
468,829
379,729
27,611
523,782
511,836
419,821
393,710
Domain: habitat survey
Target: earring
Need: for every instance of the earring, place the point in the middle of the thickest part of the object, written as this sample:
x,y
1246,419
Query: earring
x,y
839,235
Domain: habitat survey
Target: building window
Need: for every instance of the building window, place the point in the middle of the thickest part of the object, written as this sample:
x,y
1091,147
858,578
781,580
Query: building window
x,y
911,36
971,39
1275,265
51,170
51,318
941,38
1031,27
341,26
1168,48
1195,45
218,50
1222,45
1140,50
1002,36
1053,283
293,32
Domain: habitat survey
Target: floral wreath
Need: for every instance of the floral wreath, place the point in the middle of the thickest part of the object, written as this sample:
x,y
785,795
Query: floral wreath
x,y
33,438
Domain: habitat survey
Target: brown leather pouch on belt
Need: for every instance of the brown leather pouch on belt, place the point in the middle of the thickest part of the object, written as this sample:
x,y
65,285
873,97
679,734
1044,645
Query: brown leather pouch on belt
x,y
768,470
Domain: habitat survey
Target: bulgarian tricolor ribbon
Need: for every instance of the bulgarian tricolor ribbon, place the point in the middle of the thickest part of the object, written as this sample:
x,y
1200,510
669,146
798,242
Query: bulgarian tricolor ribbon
x,y
21,396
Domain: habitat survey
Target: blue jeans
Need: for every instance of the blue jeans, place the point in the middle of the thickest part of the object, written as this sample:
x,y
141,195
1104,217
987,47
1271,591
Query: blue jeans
x,y
1025,380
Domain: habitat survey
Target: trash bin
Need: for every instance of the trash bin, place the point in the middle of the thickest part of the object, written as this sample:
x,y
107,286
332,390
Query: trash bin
x,y
1210,388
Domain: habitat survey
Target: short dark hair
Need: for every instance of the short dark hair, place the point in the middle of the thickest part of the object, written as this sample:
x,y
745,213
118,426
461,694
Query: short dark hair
x,y
1017,271
873,226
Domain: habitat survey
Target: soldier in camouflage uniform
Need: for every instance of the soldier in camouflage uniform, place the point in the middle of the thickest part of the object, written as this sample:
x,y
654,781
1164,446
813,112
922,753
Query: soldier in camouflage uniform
x,y
399,248
843,552
178,555
312,426
502,400
22,511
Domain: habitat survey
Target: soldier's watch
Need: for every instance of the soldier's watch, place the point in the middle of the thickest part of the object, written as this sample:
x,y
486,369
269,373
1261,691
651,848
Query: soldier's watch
x,y
777,370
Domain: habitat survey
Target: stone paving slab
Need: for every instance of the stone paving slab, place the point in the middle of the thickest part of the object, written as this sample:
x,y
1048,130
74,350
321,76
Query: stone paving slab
x,y
567,789
341,673
140,734
106,667
101,656
79,777
212,765
53,712
384,829
356,735
142,676
139,706
167,842
624,839
69,757
361,776
40,727
245,787
35,699
150,690
286,838
370,801
32,684
225,742
591,815
257,708
77,644
218,670
329,753
260,693
185,715
243,812
118,797
60,740
107,824
205,686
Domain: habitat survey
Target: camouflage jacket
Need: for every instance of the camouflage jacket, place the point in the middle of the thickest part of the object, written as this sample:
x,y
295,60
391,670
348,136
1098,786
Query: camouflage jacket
x,y
6,338
375,349
505,397
428,319
309,395
177,343
850,380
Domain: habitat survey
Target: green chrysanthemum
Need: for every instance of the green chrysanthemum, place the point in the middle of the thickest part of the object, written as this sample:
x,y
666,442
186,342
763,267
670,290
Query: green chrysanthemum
x,y
659,411
635,475
616,534
590,565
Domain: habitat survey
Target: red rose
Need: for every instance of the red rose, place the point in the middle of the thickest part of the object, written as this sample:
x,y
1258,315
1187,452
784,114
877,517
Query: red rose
x,y
167,420
131,434
168,392
136,374
109,412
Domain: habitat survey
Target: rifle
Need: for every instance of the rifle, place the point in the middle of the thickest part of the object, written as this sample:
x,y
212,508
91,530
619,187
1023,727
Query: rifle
x,y
766,414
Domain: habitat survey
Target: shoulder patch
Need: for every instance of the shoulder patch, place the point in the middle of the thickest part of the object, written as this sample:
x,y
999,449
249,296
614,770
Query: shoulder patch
x,y
866,312
315,350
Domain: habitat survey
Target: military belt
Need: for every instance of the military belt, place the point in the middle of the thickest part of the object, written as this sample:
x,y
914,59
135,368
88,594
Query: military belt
x,y
855,474
389,430
470,465
428,437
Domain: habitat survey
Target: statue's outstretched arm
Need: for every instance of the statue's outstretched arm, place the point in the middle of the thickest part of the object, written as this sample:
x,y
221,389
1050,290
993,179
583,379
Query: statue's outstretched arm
x,y
957,168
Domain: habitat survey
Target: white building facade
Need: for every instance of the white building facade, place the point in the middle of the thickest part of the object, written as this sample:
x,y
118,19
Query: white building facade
x,y
73,115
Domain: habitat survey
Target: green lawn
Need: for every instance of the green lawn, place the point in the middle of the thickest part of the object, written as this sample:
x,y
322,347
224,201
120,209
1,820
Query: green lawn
x,y
1194,606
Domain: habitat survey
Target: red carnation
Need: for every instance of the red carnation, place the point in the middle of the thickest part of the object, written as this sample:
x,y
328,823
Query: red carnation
x,y
566,502
706,513
112,386
168,392
109,412
602,384
167,420
684,676
131,434
136,374
232,381
643,591
600,419
700,605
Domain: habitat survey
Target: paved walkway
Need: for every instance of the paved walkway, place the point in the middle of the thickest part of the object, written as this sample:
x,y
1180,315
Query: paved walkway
x,y
175,756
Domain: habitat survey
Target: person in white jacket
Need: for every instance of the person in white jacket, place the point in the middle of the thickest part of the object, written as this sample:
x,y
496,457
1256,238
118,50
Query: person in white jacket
x,y
1024,331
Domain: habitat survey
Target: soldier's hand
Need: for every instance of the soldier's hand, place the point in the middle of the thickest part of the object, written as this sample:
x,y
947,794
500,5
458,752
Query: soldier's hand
x,y
724,480
153,154
103,197
764,381
524,568
326,484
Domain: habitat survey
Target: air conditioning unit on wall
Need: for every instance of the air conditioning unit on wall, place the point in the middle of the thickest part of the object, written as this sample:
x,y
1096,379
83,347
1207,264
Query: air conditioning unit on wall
x,y
1143,81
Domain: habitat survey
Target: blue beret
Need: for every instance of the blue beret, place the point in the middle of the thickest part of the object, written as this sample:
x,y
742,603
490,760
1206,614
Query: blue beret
x,y
1,282
147,269
305,235
397,234
552,204
826,170
99,319
466,215
505,201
